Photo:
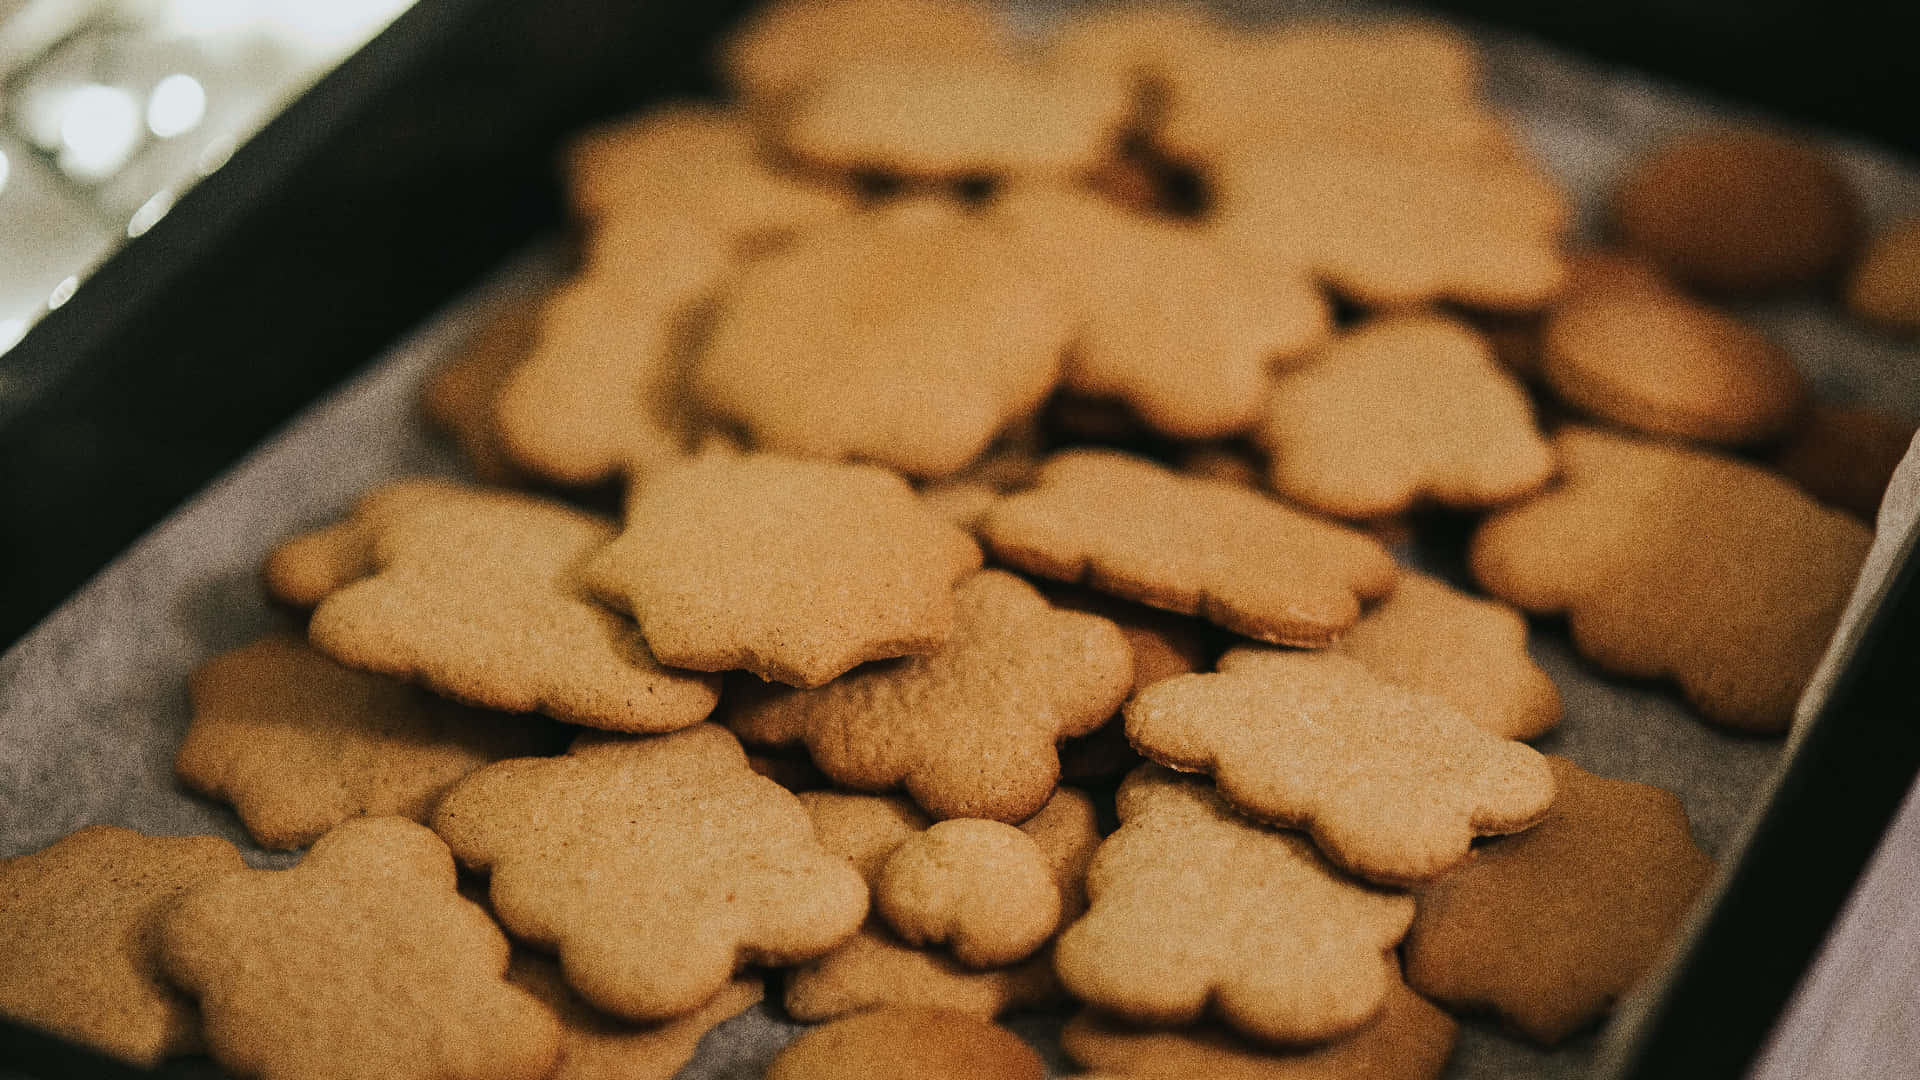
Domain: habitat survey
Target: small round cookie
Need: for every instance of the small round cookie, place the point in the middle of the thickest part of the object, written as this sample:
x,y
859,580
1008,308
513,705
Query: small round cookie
x,y
785,46
983,888
1739,211
1884,288
1662,363
902,1043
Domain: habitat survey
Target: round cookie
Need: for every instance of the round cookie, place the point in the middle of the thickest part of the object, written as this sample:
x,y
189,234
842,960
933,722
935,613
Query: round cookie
x,y
1738,211
1884,288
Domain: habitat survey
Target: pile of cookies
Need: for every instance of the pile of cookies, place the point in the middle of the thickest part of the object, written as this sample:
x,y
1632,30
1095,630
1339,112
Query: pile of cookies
x,y
1012,440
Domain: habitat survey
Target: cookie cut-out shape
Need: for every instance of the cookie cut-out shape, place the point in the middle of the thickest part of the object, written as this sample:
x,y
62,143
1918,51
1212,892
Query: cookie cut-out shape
x,y
478,596
785,47
308,568
875,968
908,338
1406,408
1679,563
1467,651
1884,287
1195,909
1549,928
863,829
458,399
1145,46
1659,362
80,935
970,730
1128,527
656,867
1845,455
908,1044
793,570
981,887
1391,784
1180,329
1408,1040
1739,210
595,1046
298,743
295,969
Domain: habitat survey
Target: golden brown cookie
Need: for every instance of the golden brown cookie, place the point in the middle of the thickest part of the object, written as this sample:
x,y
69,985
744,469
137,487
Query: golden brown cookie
x,y
656,867
875,968
80,933
1408,1040
1127,527
970,730
1738,211
1195,909
1178,328
959,120
297,971
983,888
458,399
1549,928
908,338
1659,362
595,1046
1884,287
1146,46
1680,563
1405,409
1392,785
903,1043
785,47
1844,455
298,743
306,569
1469,652
478,596
793,570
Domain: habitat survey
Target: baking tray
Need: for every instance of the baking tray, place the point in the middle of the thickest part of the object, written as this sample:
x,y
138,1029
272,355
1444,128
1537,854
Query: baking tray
x,y
422,164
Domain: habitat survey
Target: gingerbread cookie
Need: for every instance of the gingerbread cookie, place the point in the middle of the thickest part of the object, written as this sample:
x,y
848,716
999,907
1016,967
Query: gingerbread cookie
x,y
1407,408
875,968
298,743
785,47
1844,455
1128,527
970,730
1392,785
1164,645
1680,563
909,338
305,570
1194,907
79,938
981,887
1145,46
902,1043
1179,329
295,970
1549,928
1468,652
1408,1040
823,566
595,1046
1884,288
1738,211
478,597
656,867
458,399
1656,361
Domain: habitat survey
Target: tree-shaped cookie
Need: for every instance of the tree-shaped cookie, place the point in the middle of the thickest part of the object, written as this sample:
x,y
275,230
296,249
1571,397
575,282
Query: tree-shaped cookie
x,y
1683,564
1467,651
1195,909
970,730
794,570
80,935
1128,527
656,867
479,597
595,1046
1409,1040
1406,408
298,971
298,743
1549,928
908,337
1182,331
1392,785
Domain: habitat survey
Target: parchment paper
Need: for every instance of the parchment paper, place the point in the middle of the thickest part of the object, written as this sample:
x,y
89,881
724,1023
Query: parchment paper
x,y
93,702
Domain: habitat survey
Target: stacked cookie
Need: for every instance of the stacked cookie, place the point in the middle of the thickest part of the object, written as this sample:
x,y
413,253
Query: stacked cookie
x,y
1009,436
